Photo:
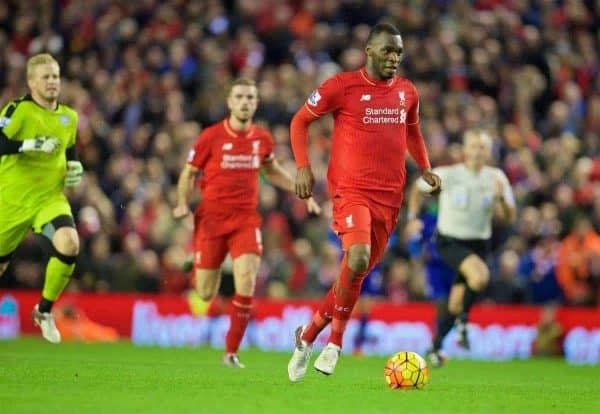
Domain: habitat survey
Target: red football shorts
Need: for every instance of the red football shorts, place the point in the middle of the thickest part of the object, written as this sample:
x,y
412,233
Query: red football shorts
x,y
215,237
356,220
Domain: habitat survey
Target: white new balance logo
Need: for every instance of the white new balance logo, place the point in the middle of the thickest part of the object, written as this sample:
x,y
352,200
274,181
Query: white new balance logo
x,y
365,97
227,146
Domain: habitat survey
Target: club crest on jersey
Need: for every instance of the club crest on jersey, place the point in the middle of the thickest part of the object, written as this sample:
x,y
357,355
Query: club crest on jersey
x,y
228,146
4,122
64,119
403,116
255,147
402,97
349,221
314,98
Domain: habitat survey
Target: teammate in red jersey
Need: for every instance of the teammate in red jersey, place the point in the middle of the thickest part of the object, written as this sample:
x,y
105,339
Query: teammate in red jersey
x,y
230,155
376,119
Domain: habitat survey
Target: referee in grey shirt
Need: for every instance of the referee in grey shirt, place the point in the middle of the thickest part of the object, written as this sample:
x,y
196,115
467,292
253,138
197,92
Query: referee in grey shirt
x,y
472,194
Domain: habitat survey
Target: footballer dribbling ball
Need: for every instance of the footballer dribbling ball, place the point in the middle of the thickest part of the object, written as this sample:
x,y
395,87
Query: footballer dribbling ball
x,y
406,371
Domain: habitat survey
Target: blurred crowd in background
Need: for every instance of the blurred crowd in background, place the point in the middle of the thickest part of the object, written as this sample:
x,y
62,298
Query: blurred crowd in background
x,y
146,76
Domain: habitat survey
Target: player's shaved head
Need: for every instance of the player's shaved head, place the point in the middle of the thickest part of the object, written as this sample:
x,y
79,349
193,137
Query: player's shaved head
x,y
380,28
37,60
384,51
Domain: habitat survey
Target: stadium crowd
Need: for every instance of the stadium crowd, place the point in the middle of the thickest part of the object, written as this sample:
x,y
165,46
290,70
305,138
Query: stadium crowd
x,y
147,76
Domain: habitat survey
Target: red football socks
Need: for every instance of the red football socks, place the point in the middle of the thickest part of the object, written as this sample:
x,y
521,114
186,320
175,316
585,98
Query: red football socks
x,y
346,295
239,316
321,318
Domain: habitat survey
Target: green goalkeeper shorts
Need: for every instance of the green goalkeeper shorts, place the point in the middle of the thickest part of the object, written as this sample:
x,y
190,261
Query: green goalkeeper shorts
x,y
15,222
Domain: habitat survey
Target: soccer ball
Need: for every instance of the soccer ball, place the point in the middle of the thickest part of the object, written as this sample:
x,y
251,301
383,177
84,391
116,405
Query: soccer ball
x,y
406,371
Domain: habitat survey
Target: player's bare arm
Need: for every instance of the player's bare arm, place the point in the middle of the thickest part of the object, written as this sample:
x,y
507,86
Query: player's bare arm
x,y
305,180
185,184
502,209
279,177
415,202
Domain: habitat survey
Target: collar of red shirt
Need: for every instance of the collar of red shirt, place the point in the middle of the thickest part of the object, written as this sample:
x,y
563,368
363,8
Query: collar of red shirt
x,y
234,132
376,82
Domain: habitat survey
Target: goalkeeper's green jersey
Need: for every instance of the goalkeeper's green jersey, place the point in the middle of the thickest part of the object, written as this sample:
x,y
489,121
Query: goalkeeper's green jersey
x,y
29,179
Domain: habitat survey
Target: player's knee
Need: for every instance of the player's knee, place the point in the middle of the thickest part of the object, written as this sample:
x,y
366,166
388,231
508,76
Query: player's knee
x,y
66,242
206,295
206,292
358,258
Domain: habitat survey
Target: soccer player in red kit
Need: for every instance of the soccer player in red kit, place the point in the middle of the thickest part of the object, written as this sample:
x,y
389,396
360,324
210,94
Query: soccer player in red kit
x,y
230,155
376,119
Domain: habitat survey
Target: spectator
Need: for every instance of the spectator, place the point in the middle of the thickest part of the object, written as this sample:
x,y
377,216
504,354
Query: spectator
x,y
507,287
577,267
147,77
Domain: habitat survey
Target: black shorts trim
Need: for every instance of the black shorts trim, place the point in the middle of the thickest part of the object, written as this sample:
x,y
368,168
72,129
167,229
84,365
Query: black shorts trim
x,y
454,251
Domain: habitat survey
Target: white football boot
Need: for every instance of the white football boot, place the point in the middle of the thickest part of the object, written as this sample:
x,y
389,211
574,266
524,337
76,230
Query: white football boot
x,y
233,361
46,323
326,361
299,361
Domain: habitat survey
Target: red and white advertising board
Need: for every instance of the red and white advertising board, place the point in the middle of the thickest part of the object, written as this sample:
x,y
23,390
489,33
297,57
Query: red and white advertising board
x,y
496,332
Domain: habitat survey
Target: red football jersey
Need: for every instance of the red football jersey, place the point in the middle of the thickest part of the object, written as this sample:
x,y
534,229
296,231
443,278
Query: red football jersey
x,y
368,147
230,161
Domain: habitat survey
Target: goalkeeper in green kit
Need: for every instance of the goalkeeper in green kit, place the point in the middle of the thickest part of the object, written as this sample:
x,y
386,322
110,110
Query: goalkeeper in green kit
x,y
37,161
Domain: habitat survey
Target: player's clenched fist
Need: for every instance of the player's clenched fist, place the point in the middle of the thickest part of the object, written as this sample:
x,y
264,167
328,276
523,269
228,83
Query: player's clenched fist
x,y
74,173
304,182
434,181
40,144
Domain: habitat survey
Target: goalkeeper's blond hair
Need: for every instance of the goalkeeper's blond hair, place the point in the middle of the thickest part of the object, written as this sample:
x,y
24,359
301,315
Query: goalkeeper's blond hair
x,y
39,59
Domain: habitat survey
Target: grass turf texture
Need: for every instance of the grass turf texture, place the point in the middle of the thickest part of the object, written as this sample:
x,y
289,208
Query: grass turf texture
x,y
38,377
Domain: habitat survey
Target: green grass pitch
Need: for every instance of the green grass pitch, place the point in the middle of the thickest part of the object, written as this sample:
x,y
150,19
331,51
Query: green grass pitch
x,y
37,377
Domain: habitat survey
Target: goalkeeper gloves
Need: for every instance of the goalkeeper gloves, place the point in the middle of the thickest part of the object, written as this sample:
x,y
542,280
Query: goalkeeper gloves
x,y
74,173
41,144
